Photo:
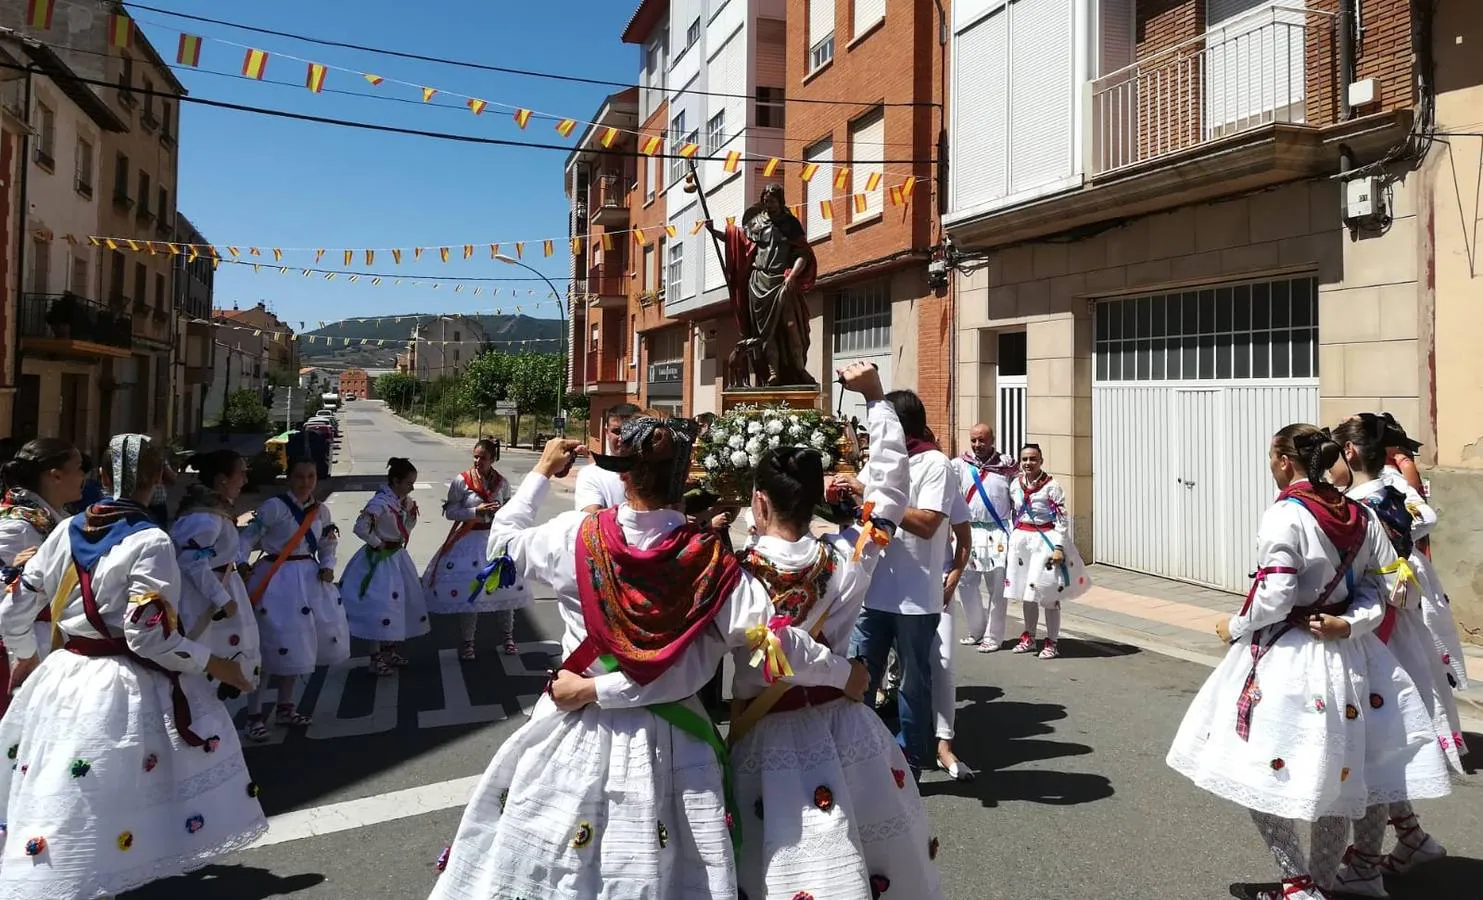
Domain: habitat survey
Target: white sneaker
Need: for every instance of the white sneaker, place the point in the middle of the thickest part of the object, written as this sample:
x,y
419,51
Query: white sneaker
x,y
988,646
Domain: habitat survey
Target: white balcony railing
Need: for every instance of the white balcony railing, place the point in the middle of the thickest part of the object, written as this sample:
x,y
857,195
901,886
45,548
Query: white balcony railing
x,y
1239,75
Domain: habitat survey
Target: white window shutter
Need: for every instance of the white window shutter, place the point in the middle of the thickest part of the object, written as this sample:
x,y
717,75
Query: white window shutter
x,y
980,109
1042,115
867,13
820,20
867,149
820,187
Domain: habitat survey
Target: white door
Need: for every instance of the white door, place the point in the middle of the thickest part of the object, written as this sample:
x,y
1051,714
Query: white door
x,y
1010,411
1198,489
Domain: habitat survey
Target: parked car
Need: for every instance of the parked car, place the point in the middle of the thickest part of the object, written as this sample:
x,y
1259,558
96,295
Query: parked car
x,y
350,397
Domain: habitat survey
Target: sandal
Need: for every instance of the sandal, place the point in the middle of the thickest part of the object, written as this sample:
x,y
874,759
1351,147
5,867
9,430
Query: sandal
x,y
288,715
511,648
256,729
395,659
466,651
380,666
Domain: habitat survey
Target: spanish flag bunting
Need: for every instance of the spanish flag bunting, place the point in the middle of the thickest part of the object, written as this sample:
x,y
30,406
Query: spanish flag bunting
x,y
797,210
314,81
120,31
895,195
39,13
253,251
771,167
174,249
565,127
373,79
349,255
861,201
468,251
477,105
443,253
257,267
277,255
906,187
522,117
576,246
669,230
826,209
699,224
396,256
609,136
638,235
375,281
733,161
689,150
873,182
607,242
493,250
110,243
416,253
730,221
370,256
652,145
255,64
195,253
807,174
318,255
548,248
520,250
841,178
232,250
428,93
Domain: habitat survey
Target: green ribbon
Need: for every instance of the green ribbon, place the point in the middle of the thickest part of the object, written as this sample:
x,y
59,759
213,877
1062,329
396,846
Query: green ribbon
x,y
375,556
700,727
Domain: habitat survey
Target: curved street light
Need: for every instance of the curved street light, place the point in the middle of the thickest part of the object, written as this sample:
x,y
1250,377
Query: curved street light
x,y
561,384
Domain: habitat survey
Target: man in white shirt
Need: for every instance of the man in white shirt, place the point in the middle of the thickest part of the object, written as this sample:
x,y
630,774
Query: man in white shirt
x,y
597,488
905,599
984,475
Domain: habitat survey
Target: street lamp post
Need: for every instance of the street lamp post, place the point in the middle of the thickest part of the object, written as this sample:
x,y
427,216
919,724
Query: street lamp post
x,y
561,303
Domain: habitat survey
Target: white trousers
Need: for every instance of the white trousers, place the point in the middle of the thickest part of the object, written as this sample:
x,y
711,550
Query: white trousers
x,y
944,695
981,595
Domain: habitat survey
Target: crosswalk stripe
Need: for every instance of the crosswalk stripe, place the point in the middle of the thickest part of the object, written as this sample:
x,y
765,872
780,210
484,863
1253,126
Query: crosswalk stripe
x,y
352,814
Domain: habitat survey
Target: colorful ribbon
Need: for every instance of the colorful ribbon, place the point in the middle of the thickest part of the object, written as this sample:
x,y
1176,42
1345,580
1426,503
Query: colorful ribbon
x,y
872,530
767,648
498,574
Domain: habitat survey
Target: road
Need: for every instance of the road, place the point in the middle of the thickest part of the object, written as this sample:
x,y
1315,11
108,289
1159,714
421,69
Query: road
x,y
1074,801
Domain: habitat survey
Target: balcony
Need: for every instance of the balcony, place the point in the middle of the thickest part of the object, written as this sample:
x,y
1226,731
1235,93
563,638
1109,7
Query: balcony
x,y
604,375
607,291
609,202
71,326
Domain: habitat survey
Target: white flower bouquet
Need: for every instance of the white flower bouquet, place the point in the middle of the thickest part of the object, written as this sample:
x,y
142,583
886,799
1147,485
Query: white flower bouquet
x,y
726,454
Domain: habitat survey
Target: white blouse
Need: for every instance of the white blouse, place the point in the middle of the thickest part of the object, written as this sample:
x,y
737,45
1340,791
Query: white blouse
x,y
463,503
386,519
274,525
207,539
1046,506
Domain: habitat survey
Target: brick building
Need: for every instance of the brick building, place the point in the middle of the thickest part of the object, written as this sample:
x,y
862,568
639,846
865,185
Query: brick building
x,y
1182,225
354,381
873,301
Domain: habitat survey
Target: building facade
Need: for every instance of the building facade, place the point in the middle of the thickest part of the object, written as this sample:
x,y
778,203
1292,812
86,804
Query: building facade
x,y
355,381
194,346
14,130
873,300
281,352
242,361
1182,225
443,346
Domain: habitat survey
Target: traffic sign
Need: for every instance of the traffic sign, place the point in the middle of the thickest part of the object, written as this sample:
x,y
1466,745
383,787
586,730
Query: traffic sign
x,y
505,408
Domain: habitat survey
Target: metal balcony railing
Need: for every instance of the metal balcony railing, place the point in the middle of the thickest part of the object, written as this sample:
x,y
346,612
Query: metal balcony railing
x,y
70,317
1244,74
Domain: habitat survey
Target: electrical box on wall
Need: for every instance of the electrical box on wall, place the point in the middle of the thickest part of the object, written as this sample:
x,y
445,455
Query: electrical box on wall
x,y
1363,201
1364,92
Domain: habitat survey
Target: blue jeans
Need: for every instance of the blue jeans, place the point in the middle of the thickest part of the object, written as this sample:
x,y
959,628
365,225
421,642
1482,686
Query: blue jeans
x,y
875,631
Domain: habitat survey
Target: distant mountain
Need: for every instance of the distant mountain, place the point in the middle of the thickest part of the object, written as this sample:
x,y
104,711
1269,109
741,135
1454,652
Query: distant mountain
x,y
396,331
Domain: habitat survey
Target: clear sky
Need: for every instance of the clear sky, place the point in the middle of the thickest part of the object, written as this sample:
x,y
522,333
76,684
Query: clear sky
x,y
252,180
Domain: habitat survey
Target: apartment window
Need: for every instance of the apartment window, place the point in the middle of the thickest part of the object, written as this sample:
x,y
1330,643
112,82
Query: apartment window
x,y
820,187
121,178
141,284
1263,329
40,267
715,133
676,269
126,81
148,119
770,106
646,273
457,337
676,136
867,13
82,168
867,149
692,34
655,276
78,283
116,276
651,175
46,135
164,206
861,319
820,33
165,113
159,291
143,195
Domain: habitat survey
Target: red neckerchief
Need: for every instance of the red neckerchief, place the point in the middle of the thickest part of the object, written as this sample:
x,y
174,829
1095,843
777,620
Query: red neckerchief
x,y
644,607
475,482
917,446
1343,521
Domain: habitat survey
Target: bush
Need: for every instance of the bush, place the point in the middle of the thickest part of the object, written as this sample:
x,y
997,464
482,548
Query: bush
x,y
263,469
398,389
245,412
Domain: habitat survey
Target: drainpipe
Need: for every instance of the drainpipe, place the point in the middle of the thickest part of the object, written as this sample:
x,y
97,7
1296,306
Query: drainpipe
x,y
1345,26
23,219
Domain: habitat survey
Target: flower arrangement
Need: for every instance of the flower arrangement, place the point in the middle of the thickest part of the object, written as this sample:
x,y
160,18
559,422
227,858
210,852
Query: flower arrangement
x,y
726,454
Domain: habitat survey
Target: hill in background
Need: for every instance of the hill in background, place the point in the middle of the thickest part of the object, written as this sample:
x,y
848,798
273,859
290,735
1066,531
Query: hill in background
x,y
504,332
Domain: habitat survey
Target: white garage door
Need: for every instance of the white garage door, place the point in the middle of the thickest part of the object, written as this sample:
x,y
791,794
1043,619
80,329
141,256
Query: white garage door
x,y
1188,389
860,323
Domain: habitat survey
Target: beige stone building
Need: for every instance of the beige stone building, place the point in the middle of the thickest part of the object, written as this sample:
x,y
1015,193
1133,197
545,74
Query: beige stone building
x,y
1226,224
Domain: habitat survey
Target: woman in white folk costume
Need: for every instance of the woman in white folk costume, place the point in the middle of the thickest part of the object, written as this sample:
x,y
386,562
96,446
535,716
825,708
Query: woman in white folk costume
x,y
984,475
1299,723
1436,609
215,609
615,786
473,499
382,591
123,770
1405,634
1043,568
45,475
301,623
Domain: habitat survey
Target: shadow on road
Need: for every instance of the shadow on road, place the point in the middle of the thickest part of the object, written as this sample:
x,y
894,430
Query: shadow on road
x,y
996,736
227,883
1447,877
1072,648
1473,759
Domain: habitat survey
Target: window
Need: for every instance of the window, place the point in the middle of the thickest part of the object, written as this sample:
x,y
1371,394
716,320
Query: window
x,y
715,133
78,278
820,33
651,175
866,14
646,273
46,135
770,105
820,187
676,269
457,337
159,291
655,276
41,267
692,34
1264,329
143,195
141,284
126,81
121,179
148,119
676,137
165,112
862,319
164,207
867,149
116,277
82,168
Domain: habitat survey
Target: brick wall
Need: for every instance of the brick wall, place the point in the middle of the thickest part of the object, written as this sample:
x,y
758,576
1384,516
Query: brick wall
x,y
9,141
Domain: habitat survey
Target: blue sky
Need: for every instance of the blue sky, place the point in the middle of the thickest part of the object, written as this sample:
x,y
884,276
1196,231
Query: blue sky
x,y
252,180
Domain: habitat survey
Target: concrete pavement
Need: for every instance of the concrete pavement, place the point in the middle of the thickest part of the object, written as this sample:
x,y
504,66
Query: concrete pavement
x,y
1073,801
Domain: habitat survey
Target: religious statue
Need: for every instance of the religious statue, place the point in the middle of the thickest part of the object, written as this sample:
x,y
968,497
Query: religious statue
x,y
769,268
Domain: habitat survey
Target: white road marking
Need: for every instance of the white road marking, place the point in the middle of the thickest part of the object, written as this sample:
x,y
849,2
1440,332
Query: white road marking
x,y
351,814
457,710
327,723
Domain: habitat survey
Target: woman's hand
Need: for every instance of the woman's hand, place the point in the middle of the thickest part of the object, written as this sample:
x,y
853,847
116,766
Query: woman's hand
x,y
859,681
1328,628
228,672
327,575
21,669
230,609
571,692
24,557
1223,630
1058,556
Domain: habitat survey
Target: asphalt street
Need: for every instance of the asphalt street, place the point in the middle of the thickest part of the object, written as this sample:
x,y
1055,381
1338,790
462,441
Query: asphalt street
x,y
1073,800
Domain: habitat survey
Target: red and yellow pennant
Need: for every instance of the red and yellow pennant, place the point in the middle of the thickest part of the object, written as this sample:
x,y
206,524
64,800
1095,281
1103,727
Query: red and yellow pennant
x,y
476,105
808,172
428,94
638,235
349,255
370,256
548,247
494,251
699,224
841,178
565,127
522,117
609,136
826,209
906,187
396,256
733,161
771,167
607,242
120,31
255,64
443,253
873,182
688,151
670,230
861,201
652,145
576,246
188,52
373,79
520,249
39,13
314,80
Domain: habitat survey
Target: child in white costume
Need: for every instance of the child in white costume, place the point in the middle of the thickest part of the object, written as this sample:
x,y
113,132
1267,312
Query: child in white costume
x,y
1043,568
301,624
123,769
1297,723
382,591
214,607
615,786
473,499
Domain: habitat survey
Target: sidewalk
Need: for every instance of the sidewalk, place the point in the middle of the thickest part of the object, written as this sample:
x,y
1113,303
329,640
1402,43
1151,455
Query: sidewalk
x,y
1149,611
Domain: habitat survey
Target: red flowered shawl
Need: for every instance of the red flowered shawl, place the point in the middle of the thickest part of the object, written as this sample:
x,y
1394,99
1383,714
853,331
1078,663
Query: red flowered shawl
x,y
644,607
794,593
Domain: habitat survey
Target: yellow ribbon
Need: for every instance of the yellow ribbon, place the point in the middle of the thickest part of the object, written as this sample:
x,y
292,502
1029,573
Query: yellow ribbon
x,y
767,653
869,533
1404,573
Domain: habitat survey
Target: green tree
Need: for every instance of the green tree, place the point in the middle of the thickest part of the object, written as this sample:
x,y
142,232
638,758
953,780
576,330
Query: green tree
x,y
535,382
398,389
245,412
578,405
487,379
